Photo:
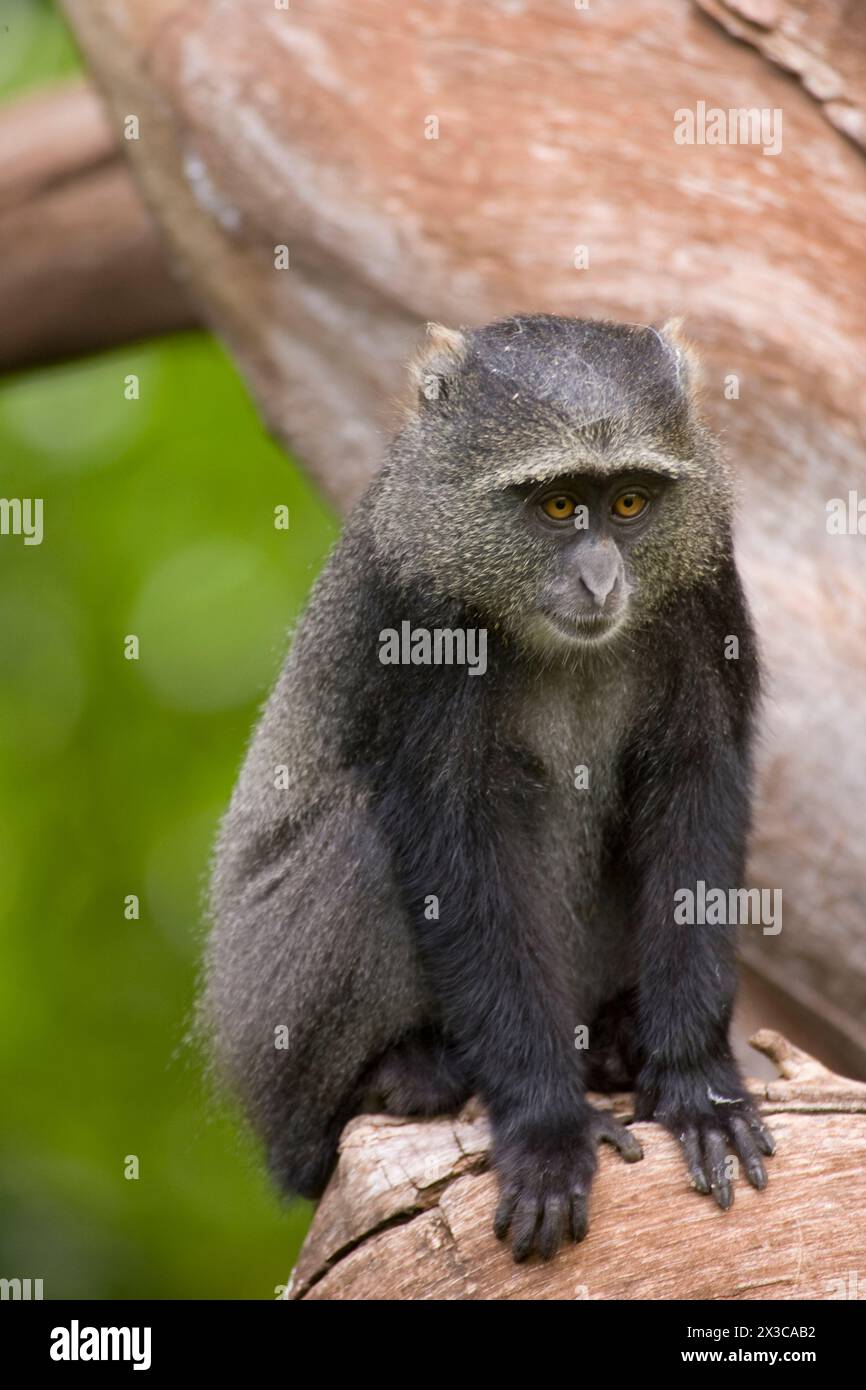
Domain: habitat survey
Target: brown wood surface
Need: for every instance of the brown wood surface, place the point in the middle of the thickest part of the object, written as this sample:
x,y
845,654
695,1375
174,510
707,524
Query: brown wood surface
x,y
822,44
408,1213
83,265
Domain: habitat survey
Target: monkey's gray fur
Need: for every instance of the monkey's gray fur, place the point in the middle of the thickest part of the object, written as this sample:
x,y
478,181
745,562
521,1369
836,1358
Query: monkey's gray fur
x,y
405,783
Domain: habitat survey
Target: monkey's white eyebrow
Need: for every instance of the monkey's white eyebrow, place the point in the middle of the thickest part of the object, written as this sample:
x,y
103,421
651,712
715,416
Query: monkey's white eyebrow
x,y
538,471
673,471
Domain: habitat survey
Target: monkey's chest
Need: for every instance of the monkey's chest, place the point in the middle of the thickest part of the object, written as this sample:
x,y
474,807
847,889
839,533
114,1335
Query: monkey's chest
x,y
577,735
575,732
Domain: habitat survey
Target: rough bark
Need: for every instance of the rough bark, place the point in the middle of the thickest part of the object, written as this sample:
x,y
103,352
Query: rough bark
x,y
306,128
408,1212
823,44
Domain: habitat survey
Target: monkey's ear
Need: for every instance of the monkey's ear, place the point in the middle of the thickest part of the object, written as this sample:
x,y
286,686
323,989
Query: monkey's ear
x,y
440,359
686,357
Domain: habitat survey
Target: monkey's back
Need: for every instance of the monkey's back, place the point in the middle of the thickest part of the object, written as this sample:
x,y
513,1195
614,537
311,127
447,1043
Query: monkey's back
x,y
311,942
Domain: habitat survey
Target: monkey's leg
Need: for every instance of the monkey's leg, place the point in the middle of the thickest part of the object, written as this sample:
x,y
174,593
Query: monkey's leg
x,y
422,1075
313,975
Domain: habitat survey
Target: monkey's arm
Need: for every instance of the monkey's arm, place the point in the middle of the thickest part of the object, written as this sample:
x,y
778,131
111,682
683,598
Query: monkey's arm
x,y
463,836
690,790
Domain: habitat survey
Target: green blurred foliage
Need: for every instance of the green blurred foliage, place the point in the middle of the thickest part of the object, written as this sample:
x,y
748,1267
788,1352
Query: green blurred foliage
x,y
158,522
34,45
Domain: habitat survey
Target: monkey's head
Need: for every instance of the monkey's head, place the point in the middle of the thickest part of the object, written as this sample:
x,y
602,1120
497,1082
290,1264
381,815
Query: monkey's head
x,y
554,475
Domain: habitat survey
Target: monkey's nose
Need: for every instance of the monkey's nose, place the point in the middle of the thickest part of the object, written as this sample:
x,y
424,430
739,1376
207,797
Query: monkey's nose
x,y
599,575
601,592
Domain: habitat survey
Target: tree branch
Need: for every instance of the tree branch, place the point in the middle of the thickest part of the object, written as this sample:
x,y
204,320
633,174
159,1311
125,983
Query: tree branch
x,y
408,1212
83,265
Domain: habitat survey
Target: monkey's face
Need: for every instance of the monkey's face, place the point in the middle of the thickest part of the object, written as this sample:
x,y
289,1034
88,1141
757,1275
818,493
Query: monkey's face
x,y
578,558
554,476
591,528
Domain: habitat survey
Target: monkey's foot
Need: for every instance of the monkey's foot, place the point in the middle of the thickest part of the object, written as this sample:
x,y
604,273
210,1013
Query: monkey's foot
x,y
420,1076
717,1134
545,1175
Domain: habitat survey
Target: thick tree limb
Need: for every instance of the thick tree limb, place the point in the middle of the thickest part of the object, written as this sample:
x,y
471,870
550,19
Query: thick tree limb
x,y
409,1210
83,266
306,128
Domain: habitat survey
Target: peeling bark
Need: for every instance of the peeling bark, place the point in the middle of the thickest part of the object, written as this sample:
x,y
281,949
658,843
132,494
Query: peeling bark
x,y
821,42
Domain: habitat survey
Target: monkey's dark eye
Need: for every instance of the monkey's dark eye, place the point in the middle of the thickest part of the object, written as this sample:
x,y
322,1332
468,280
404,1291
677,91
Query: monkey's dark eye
x,y
559,507
629,504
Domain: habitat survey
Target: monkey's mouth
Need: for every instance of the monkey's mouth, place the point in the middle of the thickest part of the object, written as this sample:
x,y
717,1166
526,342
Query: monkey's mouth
x,y
583,627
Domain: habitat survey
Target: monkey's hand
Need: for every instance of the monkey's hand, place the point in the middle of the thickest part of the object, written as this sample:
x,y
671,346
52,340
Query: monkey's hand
x,y
716,1125
545,1172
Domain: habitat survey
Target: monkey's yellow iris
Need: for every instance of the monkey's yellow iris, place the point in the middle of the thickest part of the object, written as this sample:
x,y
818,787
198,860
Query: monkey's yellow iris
x,y
559,507
629,504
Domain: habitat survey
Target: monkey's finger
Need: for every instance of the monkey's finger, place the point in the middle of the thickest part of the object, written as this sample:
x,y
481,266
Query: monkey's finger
x,y
523,1225
766,1142
716,1150
746,1142
691,1146
610,1131
579,1217
504,1212
552,1226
